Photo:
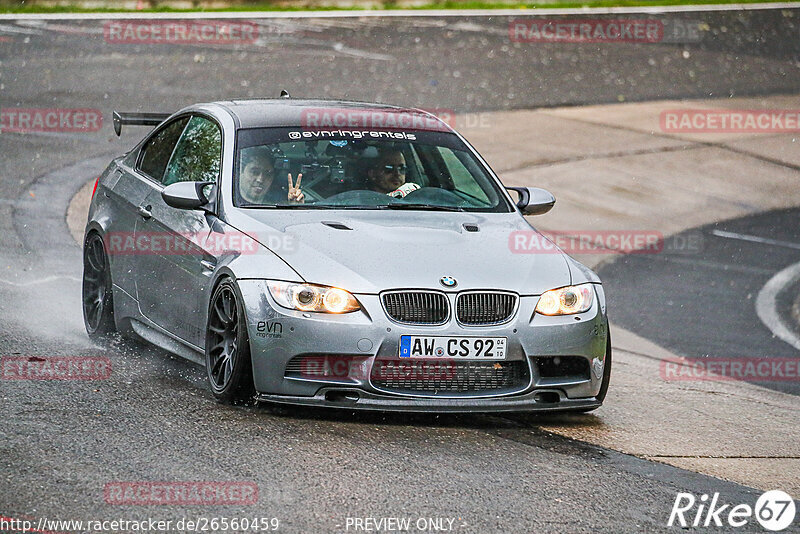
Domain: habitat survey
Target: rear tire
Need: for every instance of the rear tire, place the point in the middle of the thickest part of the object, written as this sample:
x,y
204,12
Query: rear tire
x,y
228,364
97,296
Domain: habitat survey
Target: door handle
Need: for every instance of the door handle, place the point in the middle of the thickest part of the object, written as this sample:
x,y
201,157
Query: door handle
x,y
144,211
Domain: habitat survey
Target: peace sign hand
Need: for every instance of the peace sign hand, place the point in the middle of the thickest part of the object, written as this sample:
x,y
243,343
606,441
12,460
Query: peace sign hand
x,y
295,194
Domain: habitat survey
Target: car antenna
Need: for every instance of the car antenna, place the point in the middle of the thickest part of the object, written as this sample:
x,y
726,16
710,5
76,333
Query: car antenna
x,y
285,93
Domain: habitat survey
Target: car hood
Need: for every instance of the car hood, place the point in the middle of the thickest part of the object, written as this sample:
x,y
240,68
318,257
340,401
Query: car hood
x,y
368,251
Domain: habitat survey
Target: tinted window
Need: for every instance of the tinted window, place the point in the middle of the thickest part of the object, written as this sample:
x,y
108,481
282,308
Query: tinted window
x,y
462,168
198,154
158,150
362,170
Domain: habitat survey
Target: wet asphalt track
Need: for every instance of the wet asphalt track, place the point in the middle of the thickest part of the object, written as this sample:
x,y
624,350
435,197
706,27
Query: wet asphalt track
x,y
703,302
153,419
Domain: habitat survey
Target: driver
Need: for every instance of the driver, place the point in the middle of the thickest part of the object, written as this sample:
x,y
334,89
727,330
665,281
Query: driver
x,y
388,174
257,179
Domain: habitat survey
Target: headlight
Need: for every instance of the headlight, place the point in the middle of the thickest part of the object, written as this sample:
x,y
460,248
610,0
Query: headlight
x,y
312,298
566,300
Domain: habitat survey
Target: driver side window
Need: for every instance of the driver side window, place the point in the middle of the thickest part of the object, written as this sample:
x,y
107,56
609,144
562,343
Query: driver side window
x,y
158,150
198,155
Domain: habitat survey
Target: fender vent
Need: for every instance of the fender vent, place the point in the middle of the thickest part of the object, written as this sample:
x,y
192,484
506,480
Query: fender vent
x,y
336,225
469,227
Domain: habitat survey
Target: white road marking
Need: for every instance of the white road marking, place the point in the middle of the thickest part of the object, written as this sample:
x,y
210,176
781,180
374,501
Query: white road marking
x,y
62,28
766,305
45,280
728,267
403,13
5,28
342,49
756,239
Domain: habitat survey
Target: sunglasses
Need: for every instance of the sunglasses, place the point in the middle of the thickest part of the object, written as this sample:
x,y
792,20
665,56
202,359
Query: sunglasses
x,y
391,168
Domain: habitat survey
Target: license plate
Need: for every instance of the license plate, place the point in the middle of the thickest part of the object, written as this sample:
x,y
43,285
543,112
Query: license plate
x,y
472,348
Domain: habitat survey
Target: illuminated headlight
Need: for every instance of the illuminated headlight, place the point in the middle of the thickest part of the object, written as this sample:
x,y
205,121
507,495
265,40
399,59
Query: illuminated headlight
x,y
566,300
312,298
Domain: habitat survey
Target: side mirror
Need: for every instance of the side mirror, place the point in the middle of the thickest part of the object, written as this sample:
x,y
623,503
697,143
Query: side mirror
x,y
186,195
534,200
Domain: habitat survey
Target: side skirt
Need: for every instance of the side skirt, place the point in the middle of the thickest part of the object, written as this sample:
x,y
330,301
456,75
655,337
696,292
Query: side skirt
x,y
161,338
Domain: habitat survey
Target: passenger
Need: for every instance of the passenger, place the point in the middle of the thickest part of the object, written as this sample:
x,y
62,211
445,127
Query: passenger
x,y
388,174
257,179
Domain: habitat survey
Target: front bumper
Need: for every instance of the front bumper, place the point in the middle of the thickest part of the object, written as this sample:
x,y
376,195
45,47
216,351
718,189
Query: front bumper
x,y
277,335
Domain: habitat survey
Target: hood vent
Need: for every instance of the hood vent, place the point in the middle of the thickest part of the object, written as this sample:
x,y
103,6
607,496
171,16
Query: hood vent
x,y
471,227
336,225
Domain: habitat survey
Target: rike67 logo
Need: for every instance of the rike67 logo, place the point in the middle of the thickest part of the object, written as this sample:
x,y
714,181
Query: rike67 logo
x,y
774,510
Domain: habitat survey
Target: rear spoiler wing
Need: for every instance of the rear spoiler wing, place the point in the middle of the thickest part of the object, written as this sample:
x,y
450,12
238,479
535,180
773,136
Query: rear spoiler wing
x,y
137,119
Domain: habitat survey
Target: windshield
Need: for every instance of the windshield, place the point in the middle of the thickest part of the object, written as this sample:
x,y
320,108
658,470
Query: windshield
x,y
288,168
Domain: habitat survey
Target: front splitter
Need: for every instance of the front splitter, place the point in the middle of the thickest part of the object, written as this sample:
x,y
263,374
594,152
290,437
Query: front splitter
x,y
358,399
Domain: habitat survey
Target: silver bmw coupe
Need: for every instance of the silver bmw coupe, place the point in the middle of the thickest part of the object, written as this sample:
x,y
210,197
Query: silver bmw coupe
x,y
340,254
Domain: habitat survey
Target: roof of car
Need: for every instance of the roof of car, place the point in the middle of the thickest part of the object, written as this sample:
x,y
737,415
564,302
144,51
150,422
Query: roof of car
x,y
287,112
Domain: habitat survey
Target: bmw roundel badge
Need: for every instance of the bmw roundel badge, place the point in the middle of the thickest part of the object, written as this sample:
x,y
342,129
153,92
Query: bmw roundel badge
x,y
448,281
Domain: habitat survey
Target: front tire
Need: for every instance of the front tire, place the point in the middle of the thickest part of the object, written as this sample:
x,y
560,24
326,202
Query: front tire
x,y
97,297
228,364
601,395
